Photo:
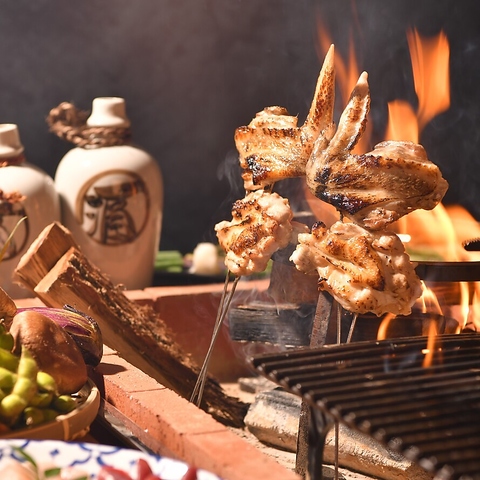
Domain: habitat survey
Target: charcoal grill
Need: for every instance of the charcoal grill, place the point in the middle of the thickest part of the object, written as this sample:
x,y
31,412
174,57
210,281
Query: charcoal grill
x,y
430,413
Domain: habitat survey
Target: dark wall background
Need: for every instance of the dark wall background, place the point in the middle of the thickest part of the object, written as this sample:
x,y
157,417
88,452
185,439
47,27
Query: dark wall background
x,y
192,71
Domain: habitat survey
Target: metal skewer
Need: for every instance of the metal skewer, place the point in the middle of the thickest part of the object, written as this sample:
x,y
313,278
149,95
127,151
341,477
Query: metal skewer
x,y
352,327
336,423
224,305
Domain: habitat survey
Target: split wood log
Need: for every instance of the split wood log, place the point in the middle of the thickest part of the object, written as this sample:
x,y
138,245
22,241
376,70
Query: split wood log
x,y
56,270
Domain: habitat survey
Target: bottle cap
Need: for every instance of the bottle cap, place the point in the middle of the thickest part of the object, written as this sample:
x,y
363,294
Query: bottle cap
x,y
108,112
10,144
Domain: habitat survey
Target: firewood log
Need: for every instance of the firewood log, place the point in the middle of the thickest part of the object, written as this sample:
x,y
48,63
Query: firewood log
x,y
59,274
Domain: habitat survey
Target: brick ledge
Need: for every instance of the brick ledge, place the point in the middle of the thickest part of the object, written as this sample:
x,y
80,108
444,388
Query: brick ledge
x,y
183,430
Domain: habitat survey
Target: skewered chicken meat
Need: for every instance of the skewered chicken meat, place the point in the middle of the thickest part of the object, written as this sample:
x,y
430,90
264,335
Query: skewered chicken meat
x,y
272,147
364,271
376,188
261,224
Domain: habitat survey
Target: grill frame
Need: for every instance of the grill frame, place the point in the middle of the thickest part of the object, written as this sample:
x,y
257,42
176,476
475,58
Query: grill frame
x,y
360,384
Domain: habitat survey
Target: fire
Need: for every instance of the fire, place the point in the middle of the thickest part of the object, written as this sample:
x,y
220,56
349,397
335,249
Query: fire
x,y
430,65
442,231
428,302
435,235
430,350
402,122
474,323
382,329
426,307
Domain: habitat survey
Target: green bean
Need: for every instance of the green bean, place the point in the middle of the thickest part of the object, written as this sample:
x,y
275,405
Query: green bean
x,y
24,389
49,414
27,366
33,416
46,383
64,403
28,396
7,378
7,341
11,407
9,360
41,399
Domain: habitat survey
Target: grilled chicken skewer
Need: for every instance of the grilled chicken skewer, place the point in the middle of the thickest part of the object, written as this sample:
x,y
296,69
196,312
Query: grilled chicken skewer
x,y
272,147
376,188
261,224
361,264
364,271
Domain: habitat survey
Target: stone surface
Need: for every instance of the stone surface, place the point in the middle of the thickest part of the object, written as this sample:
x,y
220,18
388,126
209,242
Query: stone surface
x,y
273,418
360,453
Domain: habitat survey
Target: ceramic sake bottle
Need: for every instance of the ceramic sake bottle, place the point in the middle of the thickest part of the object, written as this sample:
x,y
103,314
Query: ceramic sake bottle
x,y
112,199
25,191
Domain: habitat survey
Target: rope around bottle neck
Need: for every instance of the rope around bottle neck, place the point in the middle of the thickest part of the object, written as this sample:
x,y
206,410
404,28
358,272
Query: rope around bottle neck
x,y
69,123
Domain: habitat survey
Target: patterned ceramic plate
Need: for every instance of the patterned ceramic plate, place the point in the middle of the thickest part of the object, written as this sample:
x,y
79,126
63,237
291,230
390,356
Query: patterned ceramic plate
x,y
89,458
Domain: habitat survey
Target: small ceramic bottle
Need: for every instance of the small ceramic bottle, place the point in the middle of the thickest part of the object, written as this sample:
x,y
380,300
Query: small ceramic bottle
x,y
25,191
112,199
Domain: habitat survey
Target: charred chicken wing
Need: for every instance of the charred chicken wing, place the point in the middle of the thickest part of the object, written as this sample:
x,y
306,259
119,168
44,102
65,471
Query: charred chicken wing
x,y
364,271
261,224
272,147
376,188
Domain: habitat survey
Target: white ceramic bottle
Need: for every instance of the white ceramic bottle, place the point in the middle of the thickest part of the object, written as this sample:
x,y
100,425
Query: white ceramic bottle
x,y
112,200
25,191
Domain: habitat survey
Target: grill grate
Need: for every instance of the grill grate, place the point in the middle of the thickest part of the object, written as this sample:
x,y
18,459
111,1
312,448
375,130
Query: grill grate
x,y
429,413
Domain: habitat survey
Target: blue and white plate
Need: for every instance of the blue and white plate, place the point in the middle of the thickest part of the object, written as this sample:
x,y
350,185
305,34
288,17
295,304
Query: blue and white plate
x,y
90,458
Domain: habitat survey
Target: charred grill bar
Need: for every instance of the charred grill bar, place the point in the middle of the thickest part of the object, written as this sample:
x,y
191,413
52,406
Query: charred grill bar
x,y
430,413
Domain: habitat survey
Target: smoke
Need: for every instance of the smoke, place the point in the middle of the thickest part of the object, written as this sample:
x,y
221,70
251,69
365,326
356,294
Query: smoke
x,y
230,171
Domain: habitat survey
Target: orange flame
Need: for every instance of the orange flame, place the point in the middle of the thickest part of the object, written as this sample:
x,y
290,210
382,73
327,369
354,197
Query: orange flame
x,y
430,348
402,122
382,329
430,64
430,57
423,227
428,302
464,302
474,323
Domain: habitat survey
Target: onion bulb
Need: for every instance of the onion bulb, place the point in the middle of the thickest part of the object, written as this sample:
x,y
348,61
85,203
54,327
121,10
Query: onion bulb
x,y
83,329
